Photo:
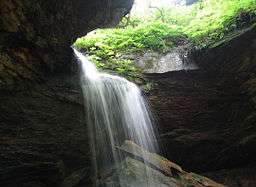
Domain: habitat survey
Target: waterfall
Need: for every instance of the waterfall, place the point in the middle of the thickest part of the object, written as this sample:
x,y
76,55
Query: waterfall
x,y
115,111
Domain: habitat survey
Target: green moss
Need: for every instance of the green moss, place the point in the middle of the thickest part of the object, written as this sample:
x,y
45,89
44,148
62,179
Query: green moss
x,y
148,86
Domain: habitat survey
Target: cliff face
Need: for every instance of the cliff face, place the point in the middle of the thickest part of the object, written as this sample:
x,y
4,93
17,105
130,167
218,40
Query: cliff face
x,y
208,115
35,36
42,133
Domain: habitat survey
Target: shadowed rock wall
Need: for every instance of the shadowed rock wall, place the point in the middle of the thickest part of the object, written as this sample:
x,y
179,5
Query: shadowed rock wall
x,y
207,116
42,132
35,36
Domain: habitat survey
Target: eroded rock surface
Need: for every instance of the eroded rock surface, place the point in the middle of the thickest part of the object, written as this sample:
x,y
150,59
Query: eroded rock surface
x,y
42,136
144,169
208,115
153,62
35,36
42,132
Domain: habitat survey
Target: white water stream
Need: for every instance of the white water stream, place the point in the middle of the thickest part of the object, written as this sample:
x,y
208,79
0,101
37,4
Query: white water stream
x,y
115,111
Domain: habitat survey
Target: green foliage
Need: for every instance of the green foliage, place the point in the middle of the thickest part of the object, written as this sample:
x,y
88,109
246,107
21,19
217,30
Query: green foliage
x,y
147,87
151,35
128,21
208,20
202,24
123,67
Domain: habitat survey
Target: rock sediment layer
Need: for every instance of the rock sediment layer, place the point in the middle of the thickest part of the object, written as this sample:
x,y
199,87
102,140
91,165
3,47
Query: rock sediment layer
x,y
35,36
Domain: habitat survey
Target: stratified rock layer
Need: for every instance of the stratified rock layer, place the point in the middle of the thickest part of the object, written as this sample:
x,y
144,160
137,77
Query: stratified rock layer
x,y
42,132
207,117
35,36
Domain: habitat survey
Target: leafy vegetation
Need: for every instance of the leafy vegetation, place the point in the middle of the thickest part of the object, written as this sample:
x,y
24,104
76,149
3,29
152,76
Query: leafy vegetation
x,y
201,24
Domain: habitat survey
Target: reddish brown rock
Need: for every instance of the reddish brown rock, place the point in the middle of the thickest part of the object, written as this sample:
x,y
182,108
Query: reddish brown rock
x,y
207,117
36,36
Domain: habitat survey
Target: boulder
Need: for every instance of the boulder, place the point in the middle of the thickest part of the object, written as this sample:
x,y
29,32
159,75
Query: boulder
x,y
141,168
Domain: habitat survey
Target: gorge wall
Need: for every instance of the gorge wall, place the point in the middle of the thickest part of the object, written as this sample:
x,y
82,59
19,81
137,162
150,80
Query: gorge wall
x,y
206,117
42,135
36,36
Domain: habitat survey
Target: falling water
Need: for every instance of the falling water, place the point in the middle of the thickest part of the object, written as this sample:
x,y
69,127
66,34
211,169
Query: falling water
x,y
116,111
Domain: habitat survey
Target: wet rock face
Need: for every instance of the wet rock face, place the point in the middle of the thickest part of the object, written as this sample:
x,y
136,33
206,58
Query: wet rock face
x,y
36,36
140,168
42,132
208,115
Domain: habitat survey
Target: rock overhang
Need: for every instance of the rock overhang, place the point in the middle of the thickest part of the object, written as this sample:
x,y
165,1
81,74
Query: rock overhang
x,y
35,36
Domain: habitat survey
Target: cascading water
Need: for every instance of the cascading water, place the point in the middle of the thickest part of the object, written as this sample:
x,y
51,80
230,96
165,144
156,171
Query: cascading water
x,y
115,111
